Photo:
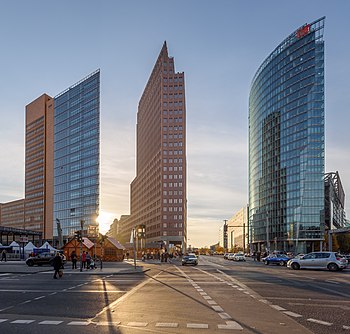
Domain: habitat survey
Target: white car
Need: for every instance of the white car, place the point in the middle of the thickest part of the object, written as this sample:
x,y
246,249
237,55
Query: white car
x,y
319,260
238,257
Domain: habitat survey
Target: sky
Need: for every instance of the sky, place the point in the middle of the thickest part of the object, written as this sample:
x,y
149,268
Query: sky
x,y
47,46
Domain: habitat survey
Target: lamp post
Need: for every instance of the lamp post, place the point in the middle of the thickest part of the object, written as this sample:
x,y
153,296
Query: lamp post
x,y
225,231
81,244
267,232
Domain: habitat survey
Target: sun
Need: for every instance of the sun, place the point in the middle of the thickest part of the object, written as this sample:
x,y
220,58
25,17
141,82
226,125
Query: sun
x,y
105,219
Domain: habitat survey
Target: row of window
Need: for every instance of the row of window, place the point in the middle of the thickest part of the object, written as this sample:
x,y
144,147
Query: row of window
x,y
172,184
172,120
171,104
174,217
180,79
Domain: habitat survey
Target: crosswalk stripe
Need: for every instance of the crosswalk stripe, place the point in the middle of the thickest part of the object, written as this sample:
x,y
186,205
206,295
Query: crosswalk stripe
x,y
50,322
22,321
78,323
167,324
202,326
137,324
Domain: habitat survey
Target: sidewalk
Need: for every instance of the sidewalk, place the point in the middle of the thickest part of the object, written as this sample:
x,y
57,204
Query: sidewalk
x,y
112,268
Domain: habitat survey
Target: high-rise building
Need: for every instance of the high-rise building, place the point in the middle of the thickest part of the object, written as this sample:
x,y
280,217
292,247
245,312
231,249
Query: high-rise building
x,y
158,192
77,155
39,166
286,144
334,201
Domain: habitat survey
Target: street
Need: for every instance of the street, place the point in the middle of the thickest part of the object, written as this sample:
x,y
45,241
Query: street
x,y
216,296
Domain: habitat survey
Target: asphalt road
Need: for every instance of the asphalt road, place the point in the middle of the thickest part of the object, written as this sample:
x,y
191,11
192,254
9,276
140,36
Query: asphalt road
x,y
317,299
214,297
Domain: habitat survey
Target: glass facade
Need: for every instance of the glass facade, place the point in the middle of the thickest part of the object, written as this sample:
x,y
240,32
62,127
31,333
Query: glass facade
x,y
77,155
286,145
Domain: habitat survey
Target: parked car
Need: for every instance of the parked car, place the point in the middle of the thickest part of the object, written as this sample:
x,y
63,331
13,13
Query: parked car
x,y
43,258
230,256
238,257
189,259
280,259
226,255
318,260
347,257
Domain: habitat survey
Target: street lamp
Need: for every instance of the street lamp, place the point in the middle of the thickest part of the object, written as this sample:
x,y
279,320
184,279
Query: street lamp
x,y
81,244
225,232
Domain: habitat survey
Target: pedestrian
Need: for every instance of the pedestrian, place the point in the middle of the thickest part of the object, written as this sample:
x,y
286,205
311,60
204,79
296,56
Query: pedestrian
x,y
258,254
88,260
74,260
127,256
3,255
83,259
57,265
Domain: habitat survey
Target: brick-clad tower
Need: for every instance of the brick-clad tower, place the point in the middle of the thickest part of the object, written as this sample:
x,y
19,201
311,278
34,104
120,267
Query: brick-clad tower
x,y
158,192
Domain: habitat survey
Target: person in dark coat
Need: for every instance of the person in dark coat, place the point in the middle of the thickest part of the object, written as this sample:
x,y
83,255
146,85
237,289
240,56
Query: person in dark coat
x,y
74,259
57,264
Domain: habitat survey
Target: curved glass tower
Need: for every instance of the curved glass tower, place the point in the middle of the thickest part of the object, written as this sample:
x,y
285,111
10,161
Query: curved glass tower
x,y
286,145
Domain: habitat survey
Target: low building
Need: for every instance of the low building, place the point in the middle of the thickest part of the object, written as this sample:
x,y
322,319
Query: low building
x,y
109,249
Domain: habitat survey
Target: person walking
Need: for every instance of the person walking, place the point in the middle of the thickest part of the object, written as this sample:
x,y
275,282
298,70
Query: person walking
x,y
57,265
3,255
83,259
74,259
88,260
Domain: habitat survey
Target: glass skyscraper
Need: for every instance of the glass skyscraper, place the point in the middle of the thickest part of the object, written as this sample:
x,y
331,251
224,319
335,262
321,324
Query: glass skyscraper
x,y
77,155
286,145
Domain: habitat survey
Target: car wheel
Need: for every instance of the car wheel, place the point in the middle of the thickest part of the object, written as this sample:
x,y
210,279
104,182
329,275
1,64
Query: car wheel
x,y
282,263
266,262
30,263
295,266
332,267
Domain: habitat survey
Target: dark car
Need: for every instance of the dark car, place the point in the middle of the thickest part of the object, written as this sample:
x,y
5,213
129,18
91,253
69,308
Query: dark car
x,y
280,259
41,259
189,259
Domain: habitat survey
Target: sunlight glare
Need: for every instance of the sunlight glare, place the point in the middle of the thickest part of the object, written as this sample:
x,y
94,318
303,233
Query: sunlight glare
x,y
105,219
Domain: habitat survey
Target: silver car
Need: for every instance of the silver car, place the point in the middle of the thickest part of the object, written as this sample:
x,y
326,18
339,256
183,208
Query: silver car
x,y
319,260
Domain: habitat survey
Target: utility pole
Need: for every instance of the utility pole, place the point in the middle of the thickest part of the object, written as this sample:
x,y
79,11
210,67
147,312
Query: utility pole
x,y
225,235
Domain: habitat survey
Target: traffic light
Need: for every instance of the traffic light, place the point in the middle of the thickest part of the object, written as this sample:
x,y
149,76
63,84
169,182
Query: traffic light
x,y
77,236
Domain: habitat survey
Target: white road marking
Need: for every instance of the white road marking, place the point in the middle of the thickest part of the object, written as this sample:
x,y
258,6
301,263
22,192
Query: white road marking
x,y
211,302
22,322
218,308
50,322
224,316
107,323
333,282
231,325
26,302
167,324
6,308
278,308
202,326
78,323
292,314
346,327
41,297
137,324
320,322
3,320
207,297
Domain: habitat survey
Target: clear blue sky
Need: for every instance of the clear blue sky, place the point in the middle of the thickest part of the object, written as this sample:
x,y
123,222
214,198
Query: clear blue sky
x,y
46,46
